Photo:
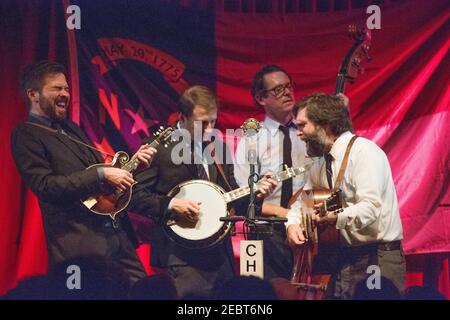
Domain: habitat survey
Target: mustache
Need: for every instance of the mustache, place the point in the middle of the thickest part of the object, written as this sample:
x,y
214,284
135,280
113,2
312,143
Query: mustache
x,y
314,146
62,99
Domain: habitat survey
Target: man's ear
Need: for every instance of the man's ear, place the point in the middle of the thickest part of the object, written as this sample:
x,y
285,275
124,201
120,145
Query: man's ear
x,y
33,95
260,100
327,128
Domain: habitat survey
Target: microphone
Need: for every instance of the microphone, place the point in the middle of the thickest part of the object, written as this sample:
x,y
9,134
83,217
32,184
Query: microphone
x,y
251,127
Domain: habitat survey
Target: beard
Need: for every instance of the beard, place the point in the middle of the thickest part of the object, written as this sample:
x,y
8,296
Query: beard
x,y
315,144
51,110
314,148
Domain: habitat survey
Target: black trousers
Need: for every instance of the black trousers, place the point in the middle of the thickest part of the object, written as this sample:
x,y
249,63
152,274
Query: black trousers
x,y
278,257
103,240
122,250
200,272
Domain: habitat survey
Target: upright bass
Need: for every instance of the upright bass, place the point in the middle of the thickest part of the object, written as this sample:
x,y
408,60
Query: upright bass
x,y
315,259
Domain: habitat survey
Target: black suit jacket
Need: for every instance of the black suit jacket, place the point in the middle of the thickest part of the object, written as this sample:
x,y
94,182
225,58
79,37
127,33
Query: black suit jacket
x,y
150,199
54,167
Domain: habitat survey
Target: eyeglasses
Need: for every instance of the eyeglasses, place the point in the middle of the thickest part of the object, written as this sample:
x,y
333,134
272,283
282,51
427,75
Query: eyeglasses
x,y
279,90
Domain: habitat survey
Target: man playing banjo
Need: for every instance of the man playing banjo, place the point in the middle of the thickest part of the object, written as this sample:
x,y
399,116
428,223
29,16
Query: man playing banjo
x,y
194,271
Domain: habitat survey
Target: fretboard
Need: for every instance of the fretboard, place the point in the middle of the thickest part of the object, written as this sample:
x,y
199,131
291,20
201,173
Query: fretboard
x,y
244,191
131,165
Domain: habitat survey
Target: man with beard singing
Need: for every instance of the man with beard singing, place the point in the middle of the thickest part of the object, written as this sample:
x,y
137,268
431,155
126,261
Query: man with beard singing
x,y
369,225
52,154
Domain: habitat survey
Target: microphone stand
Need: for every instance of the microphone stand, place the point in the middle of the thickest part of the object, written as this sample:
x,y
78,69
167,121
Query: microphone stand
x,y
252,219
251,127
252,180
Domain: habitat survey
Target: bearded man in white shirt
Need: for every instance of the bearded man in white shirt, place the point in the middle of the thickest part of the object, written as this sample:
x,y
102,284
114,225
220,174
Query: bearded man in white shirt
x,y
369,226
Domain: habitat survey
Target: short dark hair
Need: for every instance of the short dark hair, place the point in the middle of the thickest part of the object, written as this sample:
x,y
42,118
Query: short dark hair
x,y
33,75
258,80
324,109
196,95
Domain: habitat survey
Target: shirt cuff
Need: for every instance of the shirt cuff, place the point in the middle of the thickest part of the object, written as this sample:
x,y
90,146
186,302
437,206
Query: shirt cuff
x,y
101,173
341,221
293,217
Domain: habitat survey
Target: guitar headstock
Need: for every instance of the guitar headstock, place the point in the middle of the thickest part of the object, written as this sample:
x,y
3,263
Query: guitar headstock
x,y
362,38
360,34
334,202
163,136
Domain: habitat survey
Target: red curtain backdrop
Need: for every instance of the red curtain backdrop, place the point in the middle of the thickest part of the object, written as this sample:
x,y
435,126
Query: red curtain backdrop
x,y
30,30
401,102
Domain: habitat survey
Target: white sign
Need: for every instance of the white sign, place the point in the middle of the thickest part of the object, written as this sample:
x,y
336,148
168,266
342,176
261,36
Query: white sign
x,y
252,258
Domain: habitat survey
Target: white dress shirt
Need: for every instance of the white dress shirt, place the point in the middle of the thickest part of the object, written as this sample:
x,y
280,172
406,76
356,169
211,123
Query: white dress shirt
x,y
371,210
269,149
198,158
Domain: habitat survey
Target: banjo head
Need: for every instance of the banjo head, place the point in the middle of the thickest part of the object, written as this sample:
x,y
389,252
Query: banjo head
x,y
208,229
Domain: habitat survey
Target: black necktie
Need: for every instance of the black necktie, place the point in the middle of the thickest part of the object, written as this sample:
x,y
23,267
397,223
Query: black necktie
x,y
201,173
286,186
328,160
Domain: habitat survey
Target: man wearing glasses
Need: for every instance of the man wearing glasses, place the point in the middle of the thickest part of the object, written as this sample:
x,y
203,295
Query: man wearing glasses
x,y
277,145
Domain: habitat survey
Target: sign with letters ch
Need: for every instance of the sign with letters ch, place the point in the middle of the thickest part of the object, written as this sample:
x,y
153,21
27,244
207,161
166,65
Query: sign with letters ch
x,y
252,258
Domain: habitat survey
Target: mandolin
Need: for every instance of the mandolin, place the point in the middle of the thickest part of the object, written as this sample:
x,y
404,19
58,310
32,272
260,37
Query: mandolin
x,y
111,201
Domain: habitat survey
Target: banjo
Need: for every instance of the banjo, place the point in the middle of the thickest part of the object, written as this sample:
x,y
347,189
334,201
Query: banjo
x,y
208,230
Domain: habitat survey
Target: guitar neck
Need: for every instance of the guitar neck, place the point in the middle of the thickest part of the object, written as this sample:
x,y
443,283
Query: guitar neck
x,y
328,201
340,83
131,165
245,191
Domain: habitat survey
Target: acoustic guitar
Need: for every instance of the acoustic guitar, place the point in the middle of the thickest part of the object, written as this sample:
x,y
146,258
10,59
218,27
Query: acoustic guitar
x,y
315,260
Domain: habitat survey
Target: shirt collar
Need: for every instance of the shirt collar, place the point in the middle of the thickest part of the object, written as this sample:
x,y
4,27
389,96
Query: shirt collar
x,y
273,126
340,145
42,120
197,144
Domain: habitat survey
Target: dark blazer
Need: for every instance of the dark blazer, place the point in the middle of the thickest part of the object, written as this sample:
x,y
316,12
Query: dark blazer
x,y
150,199
54,167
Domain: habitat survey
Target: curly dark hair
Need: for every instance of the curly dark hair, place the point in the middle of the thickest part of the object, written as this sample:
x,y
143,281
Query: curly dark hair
x,y
324,109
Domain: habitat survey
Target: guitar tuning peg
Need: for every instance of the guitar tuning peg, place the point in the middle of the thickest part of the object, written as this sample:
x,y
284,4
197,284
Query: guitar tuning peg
x,y
366,53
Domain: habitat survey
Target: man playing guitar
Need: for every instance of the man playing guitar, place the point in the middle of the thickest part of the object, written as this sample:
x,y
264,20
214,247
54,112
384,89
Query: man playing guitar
x,y
369,225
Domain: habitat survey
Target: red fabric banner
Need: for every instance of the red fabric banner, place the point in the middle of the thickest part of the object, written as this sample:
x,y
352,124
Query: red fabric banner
x,y
401,101
31,31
